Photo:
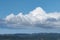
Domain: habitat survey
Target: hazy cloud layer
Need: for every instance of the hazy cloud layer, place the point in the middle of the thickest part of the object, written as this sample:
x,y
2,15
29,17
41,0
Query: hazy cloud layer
x,y
35,18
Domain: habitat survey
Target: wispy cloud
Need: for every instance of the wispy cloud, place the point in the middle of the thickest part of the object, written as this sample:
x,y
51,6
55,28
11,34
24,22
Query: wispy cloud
x,y
35,18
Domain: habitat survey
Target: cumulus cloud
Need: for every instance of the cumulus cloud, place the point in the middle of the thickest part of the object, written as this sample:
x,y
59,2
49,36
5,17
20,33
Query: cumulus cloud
x,y
35,18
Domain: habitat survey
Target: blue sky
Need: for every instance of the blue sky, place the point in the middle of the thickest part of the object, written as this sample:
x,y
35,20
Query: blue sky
x,y
33,9
16,6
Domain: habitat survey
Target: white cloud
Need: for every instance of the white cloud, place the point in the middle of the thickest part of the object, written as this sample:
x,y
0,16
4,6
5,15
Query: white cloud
x,y
36,18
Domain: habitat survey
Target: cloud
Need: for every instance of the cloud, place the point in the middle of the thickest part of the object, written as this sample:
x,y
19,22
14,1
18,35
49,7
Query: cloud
x,y
35,18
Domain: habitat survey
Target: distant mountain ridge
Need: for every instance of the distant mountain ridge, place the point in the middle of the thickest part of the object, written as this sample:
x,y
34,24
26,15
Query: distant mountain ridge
x,y
34,36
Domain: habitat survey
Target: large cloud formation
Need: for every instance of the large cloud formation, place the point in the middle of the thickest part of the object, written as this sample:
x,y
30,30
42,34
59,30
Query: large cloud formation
x,y
36,18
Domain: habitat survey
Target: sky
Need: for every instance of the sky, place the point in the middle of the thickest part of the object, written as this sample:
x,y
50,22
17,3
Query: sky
x,y
29,16
16,6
